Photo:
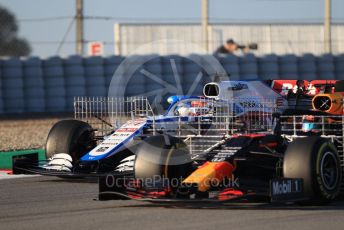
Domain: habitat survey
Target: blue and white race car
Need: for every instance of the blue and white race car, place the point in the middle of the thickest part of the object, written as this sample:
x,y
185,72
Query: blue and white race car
x,y
73,150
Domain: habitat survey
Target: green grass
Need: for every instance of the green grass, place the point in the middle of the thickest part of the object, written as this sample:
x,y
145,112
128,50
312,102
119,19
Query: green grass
x,y
6,157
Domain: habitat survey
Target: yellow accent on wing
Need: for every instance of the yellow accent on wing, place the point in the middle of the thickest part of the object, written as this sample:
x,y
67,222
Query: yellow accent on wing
x,y
210,174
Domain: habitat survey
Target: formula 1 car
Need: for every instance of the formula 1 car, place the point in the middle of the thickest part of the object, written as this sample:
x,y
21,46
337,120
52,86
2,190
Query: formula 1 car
x,y
74,149
234,143
304,165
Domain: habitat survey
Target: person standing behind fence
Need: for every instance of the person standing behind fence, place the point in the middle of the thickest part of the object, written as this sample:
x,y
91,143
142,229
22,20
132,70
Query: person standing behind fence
x,y
228,48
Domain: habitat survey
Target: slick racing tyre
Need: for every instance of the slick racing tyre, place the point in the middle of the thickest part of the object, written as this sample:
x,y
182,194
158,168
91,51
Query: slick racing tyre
x,y
316,161
164,159
73,137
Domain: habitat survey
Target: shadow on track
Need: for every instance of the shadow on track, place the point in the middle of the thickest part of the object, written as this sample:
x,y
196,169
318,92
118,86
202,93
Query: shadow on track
x,y
69,180
337,205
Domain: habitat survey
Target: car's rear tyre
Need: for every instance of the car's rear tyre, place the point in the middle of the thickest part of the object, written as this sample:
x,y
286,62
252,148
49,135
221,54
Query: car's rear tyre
x,y
316,161
162,157
73,137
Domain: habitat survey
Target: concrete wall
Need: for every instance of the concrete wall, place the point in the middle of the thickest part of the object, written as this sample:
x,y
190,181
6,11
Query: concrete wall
x,y
275,38
35,85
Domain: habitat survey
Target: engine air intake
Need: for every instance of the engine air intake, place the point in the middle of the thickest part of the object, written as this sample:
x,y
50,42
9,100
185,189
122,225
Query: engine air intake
x,y
322,103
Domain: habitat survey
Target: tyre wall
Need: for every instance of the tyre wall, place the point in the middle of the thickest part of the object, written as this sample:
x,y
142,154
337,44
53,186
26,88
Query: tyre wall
x,y
50,85
74,77
12,85
54,85
34,93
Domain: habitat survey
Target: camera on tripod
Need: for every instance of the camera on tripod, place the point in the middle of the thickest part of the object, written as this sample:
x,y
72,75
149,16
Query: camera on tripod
x,y
250,46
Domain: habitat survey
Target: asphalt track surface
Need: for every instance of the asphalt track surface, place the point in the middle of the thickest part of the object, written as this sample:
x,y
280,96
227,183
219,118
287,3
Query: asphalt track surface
x,y
52,203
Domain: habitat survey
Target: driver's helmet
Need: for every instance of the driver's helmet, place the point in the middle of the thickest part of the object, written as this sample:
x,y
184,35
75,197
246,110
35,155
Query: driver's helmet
x,y
183,109
309,124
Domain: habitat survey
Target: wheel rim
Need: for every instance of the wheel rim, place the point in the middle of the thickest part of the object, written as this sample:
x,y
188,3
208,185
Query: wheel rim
x,y
329,170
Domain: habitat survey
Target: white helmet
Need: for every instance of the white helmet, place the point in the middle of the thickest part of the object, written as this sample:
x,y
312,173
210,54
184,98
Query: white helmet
x,y
183,111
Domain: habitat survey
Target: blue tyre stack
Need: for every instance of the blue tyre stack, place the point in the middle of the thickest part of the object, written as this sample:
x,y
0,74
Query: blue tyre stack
x,y
339,67
248,67
54,83
134,78
192,69
172,68
307,67
155,90
325,67
94,76
268,67
231,65
13,86
110,66
172,72
288,67
75,80
210,68
1,96
152,68
33,85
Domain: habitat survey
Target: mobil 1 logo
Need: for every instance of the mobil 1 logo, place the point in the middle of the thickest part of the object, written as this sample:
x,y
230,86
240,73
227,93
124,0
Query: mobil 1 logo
x,y
285,189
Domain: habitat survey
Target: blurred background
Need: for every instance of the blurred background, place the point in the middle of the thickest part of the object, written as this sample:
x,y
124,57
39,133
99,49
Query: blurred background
x,y
277,26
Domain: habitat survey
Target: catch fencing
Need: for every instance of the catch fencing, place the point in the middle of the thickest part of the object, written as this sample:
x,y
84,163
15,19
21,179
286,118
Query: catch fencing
x,y
201,122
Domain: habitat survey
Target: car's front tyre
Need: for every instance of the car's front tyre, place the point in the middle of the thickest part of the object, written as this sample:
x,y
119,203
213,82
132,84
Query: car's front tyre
x,y
316,161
